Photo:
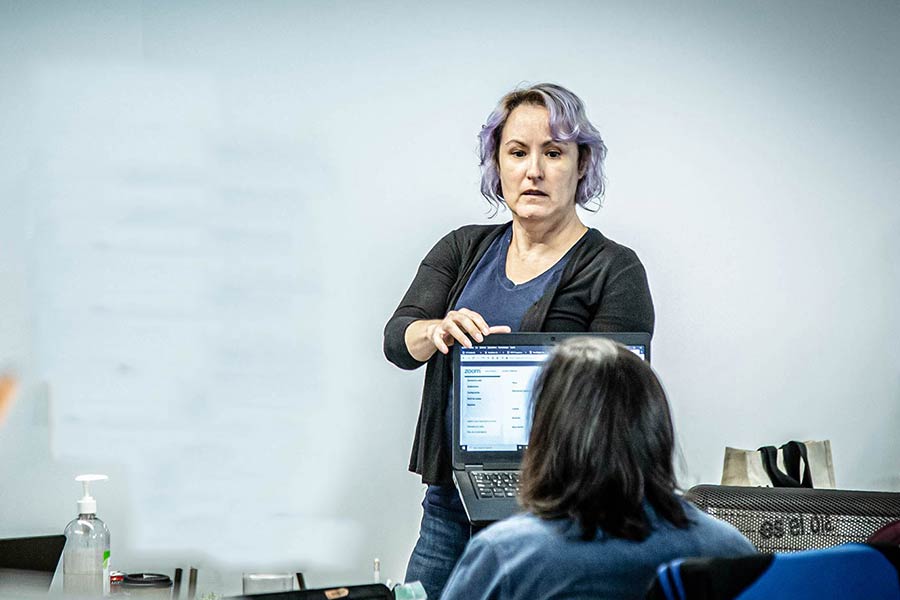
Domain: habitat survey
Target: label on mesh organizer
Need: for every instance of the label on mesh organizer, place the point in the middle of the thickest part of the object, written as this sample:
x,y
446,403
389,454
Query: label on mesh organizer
x,y
791,531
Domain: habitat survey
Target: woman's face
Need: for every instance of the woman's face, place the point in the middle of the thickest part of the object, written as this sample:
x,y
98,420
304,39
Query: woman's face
x,y
538,176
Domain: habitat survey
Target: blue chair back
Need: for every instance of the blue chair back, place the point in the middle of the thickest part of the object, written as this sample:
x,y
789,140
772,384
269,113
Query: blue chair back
x,y
849,571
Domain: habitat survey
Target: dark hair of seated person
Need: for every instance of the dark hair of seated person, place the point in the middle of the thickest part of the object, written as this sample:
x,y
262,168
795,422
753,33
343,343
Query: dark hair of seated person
x,y
602,442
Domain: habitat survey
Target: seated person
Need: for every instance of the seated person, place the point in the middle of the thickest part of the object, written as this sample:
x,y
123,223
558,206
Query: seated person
x,y
598,485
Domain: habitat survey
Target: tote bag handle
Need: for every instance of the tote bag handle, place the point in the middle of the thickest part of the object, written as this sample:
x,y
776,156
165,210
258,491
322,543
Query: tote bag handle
x,y
794,453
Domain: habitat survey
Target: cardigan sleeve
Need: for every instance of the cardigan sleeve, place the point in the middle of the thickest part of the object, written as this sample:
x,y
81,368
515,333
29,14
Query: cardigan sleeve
x,y
625,301
426,298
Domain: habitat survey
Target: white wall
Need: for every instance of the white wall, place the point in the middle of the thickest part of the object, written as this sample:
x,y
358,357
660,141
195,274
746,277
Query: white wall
x,y
209,210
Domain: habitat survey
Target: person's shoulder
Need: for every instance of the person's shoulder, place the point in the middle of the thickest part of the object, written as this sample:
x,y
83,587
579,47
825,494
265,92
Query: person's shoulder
x,y
499,560
517,530
463,239
701,519
467,239
600,251
597,240
468,235
715,532
476,231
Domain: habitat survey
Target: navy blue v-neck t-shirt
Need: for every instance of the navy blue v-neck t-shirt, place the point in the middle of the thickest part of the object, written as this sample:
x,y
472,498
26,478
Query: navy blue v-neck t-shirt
x,y
490,293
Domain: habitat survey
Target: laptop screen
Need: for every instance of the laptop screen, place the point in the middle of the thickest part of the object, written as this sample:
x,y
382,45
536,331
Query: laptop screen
x,y
493,384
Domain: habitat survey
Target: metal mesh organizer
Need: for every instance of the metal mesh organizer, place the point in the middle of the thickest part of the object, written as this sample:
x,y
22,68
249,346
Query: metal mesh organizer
x,y
793,519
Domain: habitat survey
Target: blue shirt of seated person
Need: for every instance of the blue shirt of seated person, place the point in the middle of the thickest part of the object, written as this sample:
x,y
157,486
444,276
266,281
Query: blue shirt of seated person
x,y
598,485
527,557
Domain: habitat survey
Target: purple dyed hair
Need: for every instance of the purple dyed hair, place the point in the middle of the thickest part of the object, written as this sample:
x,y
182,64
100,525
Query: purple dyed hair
x,y
568,123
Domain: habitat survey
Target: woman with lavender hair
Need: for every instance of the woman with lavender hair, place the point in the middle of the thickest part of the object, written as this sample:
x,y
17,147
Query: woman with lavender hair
x,y
542,271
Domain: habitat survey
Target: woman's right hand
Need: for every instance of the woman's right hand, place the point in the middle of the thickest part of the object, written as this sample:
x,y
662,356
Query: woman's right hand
x,y
425,337
457,326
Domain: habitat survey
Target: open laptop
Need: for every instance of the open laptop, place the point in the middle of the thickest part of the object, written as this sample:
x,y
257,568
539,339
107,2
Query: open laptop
x,y
492,384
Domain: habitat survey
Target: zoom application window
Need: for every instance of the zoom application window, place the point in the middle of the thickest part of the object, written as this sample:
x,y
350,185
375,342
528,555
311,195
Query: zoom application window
x,y
495,392
495,389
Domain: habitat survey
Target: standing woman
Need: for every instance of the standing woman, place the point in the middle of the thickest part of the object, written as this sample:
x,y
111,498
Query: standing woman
x,y
543,271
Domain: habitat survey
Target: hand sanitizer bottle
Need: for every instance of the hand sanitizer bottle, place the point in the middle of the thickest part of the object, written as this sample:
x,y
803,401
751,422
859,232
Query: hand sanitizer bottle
x,y
86,555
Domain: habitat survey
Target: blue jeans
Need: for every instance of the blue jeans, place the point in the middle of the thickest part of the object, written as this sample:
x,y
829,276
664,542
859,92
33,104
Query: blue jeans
x,y
443,536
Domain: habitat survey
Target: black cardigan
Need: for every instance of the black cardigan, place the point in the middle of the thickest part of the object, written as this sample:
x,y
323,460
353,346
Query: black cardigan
x,y
602,288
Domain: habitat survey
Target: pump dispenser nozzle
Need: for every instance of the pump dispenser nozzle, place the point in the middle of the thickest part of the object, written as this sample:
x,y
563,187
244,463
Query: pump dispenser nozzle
x,y
87,505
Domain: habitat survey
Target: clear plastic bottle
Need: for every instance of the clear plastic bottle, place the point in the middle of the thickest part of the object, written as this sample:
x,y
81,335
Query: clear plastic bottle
x,y
86,555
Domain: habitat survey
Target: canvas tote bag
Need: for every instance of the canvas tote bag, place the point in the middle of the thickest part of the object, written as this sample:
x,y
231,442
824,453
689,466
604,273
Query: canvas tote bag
x,y
795,464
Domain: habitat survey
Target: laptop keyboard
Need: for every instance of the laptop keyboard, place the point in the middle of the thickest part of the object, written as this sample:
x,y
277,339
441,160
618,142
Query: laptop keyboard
x,y
495,484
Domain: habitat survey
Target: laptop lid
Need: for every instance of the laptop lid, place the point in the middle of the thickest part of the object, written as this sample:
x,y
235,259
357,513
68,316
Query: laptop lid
x,y
28,564
492,383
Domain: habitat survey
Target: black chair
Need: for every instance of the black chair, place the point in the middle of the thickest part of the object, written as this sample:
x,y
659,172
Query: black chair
x,y
794,519
861,571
